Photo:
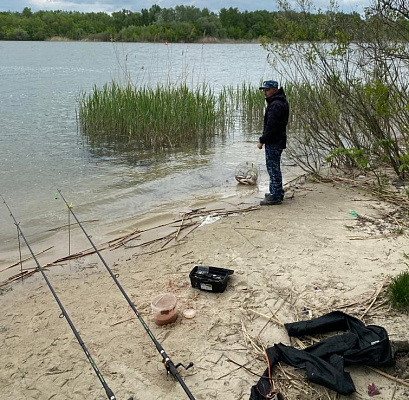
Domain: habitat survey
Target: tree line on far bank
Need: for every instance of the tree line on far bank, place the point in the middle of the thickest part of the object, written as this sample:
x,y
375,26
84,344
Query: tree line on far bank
x,y
179,24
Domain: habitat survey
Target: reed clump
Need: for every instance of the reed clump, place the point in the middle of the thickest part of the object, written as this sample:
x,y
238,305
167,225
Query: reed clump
x,y
144,118
244,106
133,118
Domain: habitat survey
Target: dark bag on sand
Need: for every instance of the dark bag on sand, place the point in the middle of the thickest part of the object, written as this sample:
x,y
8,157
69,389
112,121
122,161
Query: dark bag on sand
x,y
324,362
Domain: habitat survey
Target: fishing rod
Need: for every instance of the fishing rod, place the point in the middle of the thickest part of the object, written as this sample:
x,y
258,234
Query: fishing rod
x,y
108,391
171,368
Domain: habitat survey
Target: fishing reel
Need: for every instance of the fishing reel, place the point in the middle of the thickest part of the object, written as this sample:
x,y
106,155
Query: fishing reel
x,y
181,365
172,368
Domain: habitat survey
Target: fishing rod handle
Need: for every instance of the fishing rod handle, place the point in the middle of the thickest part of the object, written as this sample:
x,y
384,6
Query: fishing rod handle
x,y
110,393
175,373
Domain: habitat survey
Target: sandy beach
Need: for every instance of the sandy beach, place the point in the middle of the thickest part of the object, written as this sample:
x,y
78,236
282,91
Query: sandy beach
x,y
326,247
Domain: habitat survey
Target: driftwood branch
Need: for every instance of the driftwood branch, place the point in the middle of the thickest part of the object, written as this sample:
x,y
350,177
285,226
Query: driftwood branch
x,y
189,222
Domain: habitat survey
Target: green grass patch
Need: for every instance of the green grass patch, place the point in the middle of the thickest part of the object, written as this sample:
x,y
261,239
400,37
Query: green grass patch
x,y
398,291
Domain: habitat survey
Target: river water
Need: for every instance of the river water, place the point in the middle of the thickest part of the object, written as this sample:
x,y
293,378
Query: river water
x,y
41,149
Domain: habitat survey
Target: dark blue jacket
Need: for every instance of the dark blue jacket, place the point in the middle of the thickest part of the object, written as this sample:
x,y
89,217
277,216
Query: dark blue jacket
x,y
275,120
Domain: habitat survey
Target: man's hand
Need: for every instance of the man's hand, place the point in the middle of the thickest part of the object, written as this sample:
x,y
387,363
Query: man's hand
x,y
260,145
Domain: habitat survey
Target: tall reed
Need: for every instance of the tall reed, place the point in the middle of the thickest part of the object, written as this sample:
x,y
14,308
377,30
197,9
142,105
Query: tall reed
x,y
165,117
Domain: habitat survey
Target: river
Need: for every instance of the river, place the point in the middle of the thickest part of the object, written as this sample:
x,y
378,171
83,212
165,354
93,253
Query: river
x,y
41,149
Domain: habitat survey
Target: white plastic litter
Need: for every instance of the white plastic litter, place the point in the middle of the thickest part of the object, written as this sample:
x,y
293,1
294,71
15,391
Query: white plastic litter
x,y
208,220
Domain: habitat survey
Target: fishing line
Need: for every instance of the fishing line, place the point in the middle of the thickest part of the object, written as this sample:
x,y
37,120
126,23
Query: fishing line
x,y
171,368
108,391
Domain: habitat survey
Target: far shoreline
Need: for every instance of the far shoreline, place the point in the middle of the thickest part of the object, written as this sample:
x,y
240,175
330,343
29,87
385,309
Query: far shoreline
x,y
204,40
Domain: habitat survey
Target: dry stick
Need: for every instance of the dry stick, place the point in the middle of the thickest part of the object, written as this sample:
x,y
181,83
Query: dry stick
x,y
385,236
18,276
254,345
109,244
129,236
27,258
252,229
262,329
25,273
31,271
195,225
170,238
243,366
294,379
234,370
191,215
180,226
175,234
124,320
271,318
344,306
276,317
194,228
278,322
393,198
148,229
148,243
158,251
373,300
75,256
244,237
393,378
394,391
122,240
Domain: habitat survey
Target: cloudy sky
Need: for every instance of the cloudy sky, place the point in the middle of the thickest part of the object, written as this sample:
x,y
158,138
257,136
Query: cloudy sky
x,y
136,5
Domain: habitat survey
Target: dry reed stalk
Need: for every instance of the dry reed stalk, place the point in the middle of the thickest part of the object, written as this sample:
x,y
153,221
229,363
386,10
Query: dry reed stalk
x,y
25,259
397,199
193,215
124,320
245,238
20,275
124,239
180,226
392,378
158,251
385,236
375,297
271,318
247,337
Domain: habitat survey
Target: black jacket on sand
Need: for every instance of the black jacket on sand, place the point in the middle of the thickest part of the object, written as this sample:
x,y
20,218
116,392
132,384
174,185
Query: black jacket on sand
x,y
324,362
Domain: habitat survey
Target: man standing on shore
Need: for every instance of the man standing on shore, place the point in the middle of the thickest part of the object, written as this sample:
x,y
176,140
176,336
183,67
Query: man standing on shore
x,y
274,138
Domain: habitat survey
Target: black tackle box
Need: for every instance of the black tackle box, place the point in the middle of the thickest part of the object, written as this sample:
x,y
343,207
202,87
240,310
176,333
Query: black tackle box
x,y
211,279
